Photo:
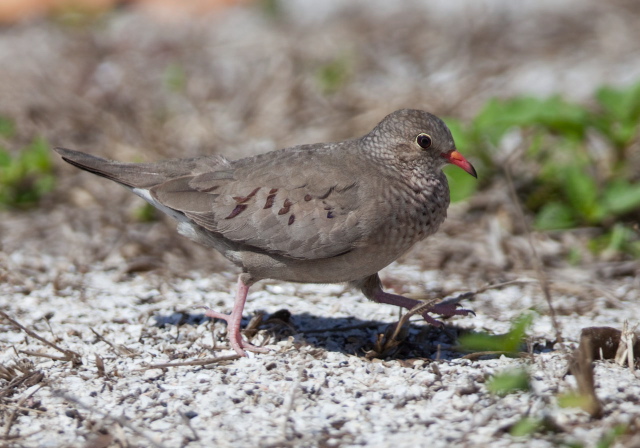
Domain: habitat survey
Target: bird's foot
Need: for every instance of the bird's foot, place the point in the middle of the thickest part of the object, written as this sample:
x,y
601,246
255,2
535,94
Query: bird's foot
x,y
233,333
233,320
444,310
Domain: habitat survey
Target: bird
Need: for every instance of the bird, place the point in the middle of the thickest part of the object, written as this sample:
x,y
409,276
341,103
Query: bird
x,y
315,213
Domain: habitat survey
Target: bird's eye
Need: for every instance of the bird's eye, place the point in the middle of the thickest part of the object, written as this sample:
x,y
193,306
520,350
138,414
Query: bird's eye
x,y
424,140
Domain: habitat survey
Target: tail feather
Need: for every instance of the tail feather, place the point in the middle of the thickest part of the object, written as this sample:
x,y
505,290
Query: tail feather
x,y
141,175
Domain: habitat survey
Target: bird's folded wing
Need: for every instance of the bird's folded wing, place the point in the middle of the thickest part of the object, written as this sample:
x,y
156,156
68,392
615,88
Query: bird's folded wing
x,y
306,212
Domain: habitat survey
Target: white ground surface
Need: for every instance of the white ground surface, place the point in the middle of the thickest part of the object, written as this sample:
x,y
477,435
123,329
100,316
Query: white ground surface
x,y
313,389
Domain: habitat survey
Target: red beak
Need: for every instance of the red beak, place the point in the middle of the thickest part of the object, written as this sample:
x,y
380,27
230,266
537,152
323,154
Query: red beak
x,y
458,159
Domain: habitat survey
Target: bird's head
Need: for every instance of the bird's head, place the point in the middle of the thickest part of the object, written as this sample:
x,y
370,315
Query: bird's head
x,y
414,136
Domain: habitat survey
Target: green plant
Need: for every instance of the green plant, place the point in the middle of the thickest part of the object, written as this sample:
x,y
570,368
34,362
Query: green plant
x,y
567,180
618,117
510,342
525,427
7,128
610,437
509,381
25,177
575,400
512,380
465,185
621,238
175,78
332,75
145,213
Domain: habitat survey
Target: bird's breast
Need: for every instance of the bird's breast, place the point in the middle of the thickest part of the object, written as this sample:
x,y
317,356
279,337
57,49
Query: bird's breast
x,y
413,211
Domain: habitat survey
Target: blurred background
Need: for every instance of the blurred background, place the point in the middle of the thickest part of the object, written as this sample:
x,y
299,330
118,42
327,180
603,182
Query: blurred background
x,y
544,93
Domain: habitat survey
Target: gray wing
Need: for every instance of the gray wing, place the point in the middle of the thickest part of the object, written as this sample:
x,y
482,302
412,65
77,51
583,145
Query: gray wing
x,y
291,202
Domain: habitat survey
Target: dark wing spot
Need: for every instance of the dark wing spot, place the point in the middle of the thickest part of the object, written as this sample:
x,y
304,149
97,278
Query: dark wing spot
x,y
285,207
241,199
308,197
326,195
292,218
236,211
273,191
269,202
329,214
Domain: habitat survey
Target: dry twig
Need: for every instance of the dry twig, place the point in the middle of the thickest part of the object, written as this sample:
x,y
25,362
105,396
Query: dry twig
x,y
119,420
69,355
199,362
542,277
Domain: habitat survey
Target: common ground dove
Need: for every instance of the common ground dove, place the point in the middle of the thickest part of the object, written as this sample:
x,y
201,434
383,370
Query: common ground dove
x,y
321,213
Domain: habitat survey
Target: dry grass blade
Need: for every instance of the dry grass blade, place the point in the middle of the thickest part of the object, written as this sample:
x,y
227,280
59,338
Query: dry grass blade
x,y
13,415
27,379
470,294
44,355
418,309
542,277
627,346
118,349
477,355
289,403
69,355
518,281
342,329
200,362
387,343
120,420
102,372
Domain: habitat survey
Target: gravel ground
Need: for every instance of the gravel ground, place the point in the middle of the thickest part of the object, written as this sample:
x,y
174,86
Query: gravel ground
x,y
315,389
112,299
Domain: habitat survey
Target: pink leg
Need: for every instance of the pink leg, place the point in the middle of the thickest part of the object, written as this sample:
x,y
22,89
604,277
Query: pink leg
x,y
445,310
372,288
233,321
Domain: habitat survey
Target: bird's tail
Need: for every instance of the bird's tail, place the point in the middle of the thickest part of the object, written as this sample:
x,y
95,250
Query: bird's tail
x,y
139,175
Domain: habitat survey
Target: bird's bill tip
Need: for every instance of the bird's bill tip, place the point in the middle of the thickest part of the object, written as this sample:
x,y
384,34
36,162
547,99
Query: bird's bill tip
x,y
457,159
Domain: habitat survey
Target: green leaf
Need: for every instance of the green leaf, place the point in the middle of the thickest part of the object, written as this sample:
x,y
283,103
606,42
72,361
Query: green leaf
x,y
574,257
334,74
582,192
461,184
567,119
553,113
555,215
175,78
525,427
577,400
509,342
509,382
621,104
460,136
271,8
145,213
24,178
5,159
620,113
36,157
608,439
621,197
7,128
